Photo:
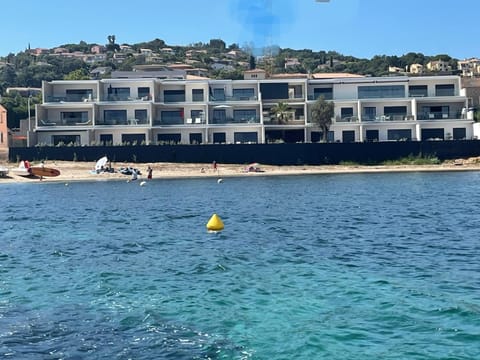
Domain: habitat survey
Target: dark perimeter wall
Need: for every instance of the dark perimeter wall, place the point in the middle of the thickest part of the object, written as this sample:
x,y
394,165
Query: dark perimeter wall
x,y
274,154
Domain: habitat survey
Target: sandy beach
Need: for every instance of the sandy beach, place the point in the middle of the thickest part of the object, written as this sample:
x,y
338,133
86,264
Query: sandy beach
x,y
83,171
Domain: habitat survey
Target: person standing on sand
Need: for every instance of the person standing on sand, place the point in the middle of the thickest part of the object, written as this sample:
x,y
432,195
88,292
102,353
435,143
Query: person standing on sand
x,y
42,166
214,165
149,173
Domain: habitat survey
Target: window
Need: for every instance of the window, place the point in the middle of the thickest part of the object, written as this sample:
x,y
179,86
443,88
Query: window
x,y
245,137
244,115
218,94
118,94
72,117
172,117
115,117
459,133
66,139
399,134
316,136
372,135
395,112
445,90
195,138
133,139
169,138
197,94
418,90
346,112
327,93
348,136
144,93
219,138
106,139
196,115
243,94
369,113
219,116
381,91
79,94
141,116
173,96
274,91
432,134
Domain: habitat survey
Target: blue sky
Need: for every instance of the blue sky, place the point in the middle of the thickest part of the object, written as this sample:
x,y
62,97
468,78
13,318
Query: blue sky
x,y
361,28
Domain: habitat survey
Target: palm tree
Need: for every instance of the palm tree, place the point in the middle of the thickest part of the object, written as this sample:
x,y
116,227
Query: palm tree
x,y
282,112
321,114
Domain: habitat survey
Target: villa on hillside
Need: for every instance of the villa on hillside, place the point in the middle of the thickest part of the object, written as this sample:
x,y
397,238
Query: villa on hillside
x,y
205,111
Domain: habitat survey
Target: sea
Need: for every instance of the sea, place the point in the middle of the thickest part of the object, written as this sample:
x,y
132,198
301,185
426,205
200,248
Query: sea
x,y
335,266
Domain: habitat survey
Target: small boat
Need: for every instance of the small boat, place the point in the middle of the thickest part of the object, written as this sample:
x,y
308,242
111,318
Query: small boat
x,y
44,171
3,171
23,169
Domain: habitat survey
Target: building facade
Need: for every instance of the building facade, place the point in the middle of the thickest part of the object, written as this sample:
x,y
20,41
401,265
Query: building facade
x,y
167,111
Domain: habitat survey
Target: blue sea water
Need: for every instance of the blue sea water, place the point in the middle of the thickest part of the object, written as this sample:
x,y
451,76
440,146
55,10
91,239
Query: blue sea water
x,y
357,266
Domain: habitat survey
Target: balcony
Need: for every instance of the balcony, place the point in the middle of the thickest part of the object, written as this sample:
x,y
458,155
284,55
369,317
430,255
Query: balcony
x,y
169,121
68,98
64,123
382,118
121,122
346,119
294,120
230,120
232,98
440,116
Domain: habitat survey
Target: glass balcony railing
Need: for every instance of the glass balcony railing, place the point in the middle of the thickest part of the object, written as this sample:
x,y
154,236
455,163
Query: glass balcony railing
x,y
232,98
69,98
65,122
440,115
388,117
316,96
230,120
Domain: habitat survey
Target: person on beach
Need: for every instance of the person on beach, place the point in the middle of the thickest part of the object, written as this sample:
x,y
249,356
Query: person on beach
x,y
149,173
134,175
214,165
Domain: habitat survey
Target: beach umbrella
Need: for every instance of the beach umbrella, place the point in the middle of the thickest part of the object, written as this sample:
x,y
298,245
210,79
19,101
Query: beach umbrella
x,y
101,163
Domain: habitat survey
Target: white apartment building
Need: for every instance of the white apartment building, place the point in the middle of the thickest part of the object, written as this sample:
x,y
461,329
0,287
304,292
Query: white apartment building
x,y
204,111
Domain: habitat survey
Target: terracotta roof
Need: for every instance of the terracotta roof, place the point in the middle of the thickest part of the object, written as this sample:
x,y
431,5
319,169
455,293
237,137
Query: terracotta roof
x,y
335,75
255,71
195,77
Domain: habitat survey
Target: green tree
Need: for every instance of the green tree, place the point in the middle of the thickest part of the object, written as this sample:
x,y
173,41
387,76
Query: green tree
x,y
282,112
79,74
321,114
217,44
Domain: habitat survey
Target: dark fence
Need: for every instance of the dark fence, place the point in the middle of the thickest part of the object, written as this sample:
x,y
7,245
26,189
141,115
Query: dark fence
x,y
274,154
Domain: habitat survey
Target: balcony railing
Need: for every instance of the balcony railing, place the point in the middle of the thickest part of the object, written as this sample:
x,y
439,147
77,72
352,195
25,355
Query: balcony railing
x,y
381,118
316,96
121,122
230,120
232,98
49,123
346,119
69,98
440,115
169,121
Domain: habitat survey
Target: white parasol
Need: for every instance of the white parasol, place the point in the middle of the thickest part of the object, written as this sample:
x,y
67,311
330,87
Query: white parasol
x,y
101,163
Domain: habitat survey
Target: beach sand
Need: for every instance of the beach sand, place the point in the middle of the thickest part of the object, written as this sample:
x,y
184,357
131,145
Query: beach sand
x,y
82,171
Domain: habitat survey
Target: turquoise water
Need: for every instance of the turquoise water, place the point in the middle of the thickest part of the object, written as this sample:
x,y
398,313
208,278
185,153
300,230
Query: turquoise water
x,y
377,266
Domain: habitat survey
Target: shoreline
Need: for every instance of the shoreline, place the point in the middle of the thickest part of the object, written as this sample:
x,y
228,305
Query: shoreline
x,y
82,171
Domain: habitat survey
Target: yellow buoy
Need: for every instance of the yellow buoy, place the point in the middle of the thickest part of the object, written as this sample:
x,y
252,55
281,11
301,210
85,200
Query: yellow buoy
x,y
215,223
